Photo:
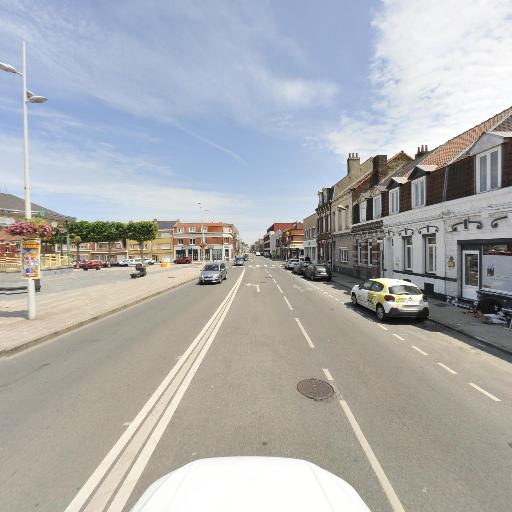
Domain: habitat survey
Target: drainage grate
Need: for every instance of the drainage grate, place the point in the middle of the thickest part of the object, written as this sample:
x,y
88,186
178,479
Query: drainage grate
x,y
315,389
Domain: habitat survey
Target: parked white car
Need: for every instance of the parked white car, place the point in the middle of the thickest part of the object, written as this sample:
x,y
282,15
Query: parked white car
x,y
149,261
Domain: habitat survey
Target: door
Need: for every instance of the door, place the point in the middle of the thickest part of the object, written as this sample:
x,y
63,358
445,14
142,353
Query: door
x,y
470,274
362,293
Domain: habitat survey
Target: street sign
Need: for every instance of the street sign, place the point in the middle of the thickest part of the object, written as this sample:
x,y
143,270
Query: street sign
x,y
31,258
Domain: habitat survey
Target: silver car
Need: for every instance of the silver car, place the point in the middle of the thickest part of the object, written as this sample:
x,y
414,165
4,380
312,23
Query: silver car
x,y
213,273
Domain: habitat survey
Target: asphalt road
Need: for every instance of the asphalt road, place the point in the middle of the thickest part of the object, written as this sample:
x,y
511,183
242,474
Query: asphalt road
x,y
420,421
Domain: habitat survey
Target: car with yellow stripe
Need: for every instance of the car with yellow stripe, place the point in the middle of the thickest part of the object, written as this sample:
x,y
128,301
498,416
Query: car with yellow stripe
x,y
391,298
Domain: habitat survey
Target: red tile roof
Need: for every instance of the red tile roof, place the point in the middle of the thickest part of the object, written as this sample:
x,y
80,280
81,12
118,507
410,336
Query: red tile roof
x,y
451,149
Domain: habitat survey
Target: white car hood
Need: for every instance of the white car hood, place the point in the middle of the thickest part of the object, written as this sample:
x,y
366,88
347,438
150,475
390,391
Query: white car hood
x,y
250,484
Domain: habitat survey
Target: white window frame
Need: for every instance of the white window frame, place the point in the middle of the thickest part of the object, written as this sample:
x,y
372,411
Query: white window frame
x,y
192,241
180,241
394,199
369,257
344,254
430,269
359,247
419,192
362,218
192,229
179,230
487,155
377,200
408,265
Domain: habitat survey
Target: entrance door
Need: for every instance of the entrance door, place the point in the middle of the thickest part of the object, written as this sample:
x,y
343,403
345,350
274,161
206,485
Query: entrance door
x,y
470,274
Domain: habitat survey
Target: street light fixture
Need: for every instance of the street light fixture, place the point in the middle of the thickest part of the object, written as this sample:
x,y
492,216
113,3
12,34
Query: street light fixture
x,y
27,97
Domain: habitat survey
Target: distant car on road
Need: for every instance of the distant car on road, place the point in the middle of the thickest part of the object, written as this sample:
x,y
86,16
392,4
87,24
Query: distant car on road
x,y
291,263
91,265
183,260
391,297
246,257
258,253
301,267
213,273
124,263
149,261
317,271
239,261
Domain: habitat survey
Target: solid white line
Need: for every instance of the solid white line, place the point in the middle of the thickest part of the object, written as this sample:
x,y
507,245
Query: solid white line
x,y
396,505
140,464
327,374
279,288
382,327
447,368
97,476
287,302
496,399
399,337
308,339
275,282
419,350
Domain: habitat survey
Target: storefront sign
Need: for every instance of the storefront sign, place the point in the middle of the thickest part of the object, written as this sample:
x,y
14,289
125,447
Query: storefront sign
x,y
31,258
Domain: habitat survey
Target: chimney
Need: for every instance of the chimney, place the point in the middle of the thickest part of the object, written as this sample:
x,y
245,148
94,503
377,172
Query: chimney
x,y
421,151
353,164
379,168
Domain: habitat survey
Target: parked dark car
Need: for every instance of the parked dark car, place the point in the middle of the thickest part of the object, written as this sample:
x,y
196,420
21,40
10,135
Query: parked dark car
x,y
183,260
318,271
301,267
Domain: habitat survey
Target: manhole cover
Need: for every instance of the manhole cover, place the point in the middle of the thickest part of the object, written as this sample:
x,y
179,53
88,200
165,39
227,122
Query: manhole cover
x,y
315,389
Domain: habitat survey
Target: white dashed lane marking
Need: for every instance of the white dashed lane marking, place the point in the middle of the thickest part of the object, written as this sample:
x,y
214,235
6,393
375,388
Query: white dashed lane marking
x,y
486,393
399,337
447,368
288,303
419,350
382,327
308,339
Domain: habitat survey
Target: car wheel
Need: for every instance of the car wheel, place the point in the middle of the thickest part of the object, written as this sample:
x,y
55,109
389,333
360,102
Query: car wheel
x,y
354,300
381,313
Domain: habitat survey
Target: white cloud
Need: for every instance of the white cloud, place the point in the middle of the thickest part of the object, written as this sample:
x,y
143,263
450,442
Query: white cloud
x,y
438,69
105,184
168,61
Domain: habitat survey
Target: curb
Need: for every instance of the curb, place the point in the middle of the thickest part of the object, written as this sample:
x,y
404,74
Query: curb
x,y
47,337
474,338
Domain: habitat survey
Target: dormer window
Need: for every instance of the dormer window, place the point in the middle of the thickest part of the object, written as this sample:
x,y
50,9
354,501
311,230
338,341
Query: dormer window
x,y
377,207
394,200
418,192
362,211
488,170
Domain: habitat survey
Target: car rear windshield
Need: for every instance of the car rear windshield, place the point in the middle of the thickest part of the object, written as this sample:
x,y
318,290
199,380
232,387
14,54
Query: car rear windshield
x,y
211,267
404,289
321,267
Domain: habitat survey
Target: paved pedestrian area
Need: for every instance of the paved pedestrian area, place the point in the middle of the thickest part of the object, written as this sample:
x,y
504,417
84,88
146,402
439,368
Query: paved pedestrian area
x,y
72,299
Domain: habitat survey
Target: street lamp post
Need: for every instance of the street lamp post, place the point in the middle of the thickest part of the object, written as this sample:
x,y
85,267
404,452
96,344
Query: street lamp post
x,y
27,97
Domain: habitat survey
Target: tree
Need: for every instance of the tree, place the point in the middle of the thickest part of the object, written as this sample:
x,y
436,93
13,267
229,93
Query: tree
x,y
106,231
142,232
80,231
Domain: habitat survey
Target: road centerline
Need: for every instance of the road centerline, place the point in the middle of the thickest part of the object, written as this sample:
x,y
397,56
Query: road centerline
x,y
483,391
305,334
288,303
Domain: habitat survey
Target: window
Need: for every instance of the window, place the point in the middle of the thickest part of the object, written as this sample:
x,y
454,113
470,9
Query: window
x,y
418,192
344,255
192,241
165,246
192,229
407,252
179,230
377,207
488,170
180,241
430,254
165,234
359,253
394,200
367,284
376,287
362,211
369,252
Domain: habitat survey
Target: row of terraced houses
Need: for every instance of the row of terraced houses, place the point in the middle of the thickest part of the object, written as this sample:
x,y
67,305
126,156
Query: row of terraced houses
x,y
441,218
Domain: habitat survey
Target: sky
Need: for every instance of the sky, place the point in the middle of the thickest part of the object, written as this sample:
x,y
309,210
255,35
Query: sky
x,y
247,106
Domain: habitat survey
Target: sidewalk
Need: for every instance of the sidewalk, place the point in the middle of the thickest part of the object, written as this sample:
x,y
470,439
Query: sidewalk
x,y
74,300
454,318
